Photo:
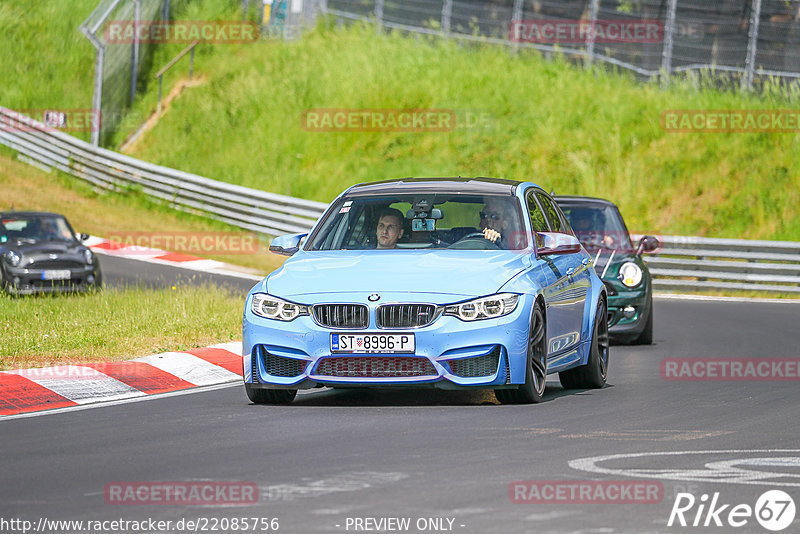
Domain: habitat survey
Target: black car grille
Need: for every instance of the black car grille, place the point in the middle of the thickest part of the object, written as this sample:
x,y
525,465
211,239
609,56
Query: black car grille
x,y
277,365
341,315
485,365
280,366
375,366
406,315
612,317
55,264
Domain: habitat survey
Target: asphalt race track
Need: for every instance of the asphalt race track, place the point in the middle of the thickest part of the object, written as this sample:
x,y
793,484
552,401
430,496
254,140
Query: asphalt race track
x,y
354,460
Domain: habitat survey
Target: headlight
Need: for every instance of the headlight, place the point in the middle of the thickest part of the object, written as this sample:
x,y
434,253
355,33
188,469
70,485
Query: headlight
x,y
630,274
12,258
274,308
88,256
484,308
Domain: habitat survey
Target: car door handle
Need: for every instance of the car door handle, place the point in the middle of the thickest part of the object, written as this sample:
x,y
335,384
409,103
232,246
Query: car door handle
x,y
570,271
586,261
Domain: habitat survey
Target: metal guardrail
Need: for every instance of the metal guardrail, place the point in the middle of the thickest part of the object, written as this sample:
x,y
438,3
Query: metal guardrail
x,y
683,262
712,263
246,208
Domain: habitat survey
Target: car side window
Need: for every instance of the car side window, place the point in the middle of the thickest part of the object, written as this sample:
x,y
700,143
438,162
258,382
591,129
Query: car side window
x,y
550,213
538,222
567,228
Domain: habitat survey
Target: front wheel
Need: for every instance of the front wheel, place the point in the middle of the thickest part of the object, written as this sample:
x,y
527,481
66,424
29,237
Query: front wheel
x,y
269,396
592,375
532,390
646,337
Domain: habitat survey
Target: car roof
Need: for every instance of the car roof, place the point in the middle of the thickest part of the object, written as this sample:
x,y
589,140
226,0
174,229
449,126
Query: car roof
x,y
11,214
432,185
577,199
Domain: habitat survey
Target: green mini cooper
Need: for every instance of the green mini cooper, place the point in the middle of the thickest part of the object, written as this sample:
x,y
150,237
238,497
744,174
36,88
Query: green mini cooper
x,y
601,229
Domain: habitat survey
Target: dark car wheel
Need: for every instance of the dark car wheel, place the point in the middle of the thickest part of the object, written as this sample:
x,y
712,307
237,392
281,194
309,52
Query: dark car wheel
x,y
594,373
646,337
536,371
269,396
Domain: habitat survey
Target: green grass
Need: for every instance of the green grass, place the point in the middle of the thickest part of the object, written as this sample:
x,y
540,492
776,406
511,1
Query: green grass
x,y
47,63
115,324
568,129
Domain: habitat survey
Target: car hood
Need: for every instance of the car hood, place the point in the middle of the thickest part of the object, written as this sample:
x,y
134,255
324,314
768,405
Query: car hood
x,y
33,251
458,273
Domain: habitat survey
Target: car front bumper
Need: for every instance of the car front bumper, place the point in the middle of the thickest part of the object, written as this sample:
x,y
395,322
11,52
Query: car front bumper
x,y
449,354
24,281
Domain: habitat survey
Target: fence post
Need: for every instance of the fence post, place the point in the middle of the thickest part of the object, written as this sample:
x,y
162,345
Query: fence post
x,y
447,13
752,46
594,7
669,33
137,19
379,13
516,16
165,14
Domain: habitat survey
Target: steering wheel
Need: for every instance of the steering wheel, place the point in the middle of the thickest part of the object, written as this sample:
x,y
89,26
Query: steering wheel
x,y
474,236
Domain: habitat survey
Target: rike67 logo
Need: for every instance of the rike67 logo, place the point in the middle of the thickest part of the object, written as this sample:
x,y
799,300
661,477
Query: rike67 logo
x,y
774,510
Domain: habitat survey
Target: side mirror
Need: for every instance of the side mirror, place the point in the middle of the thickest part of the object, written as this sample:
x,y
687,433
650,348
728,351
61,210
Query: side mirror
x,y
555,243
647,243
286,245
84,237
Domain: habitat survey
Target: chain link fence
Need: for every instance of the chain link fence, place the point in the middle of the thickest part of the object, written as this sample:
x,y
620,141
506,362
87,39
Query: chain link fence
x,y
743,38
117,64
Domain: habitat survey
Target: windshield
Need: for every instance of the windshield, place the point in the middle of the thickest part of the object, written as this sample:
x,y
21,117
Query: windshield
x,y
37,228
422,221
597,226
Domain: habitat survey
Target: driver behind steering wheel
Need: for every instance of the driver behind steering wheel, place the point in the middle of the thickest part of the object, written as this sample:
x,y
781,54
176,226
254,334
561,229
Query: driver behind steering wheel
x,y
495,223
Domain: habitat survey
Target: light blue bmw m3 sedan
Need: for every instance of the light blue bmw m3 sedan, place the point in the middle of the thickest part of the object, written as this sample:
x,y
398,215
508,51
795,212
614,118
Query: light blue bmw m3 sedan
x,y
429,282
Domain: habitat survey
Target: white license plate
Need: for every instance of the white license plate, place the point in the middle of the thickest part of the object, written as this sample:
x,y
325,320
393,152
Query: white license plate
x,y
372,343
56,275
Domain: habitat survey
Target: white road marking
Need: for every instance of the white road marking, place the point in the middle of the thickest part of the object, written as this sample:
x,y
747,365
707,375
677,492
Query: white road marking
x,y
723,472
343,483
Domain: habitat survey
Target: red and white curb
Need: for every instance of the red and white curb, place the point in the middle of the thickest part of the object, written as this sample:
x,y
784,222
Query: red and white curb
x,y
151,255
32,390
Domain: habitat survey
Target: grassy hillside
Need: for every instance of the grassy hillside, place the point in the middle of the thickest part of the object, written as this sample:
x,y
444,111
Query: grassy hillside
x,y
46,62
567,129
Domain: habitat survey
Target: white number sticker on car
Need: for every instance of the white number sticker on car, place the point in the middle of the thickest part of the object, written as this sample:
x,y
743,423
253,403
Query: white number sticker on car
x,y
56,275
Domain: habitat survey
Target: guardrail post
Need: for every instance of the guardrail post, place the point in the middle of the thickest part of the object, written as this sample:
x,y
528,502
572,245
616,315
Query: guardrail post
x,y
595,6
752,45
447,13
137,18
516,16
379,13
669,34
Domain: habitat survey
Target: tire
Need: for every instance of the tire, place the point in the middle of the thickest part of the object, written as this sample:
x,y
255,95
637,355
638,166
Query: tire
x,y
269,396
646,337
532,390
592,375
